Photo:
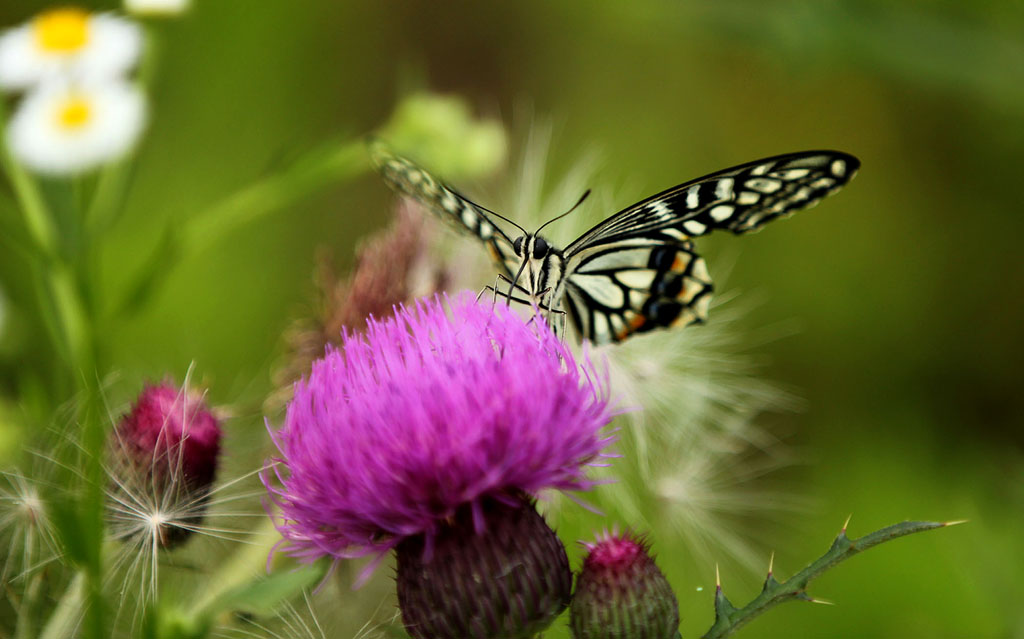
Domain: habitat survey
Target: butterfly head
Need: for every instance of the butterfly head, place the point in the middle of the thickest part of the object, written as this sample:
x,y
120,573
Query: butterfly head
x,y
531,247
541,264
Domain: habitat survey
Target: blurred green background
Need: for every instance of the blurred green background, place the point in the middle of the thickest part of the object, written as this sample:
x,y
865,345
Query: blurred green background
x,y
906,288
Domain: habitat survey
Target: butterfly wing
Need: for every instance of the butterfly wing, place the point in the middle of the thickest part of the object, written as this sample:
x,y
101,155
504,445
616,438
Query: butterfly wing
x,y
637,285
407,178
637,270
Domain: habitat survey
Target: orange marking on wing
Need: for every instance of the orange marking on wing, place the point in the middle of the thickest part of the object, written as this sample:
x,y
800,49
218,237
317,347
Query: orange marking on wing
x,y
635,323
681,262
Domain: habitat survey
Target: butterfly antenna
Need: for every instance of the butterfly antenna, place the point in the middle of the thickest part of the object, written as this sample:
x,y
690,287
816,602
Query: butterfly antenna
x,y
574,207
497,215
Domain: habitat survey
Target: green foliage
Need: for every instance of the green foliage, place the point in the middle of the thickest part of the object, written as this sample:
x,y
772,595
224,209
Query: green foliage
x,y
262,596
164,622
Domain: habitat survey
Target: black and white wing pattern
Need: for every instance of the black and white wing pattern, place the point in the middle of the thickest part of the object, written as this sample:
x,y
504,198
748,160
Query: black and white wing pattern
x,y
637,270
455,210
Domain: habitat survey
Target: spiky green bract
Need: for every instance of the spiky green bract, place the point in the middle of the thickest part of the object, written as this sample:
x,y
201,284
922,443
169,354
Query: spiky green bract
x,y
622,594
495,570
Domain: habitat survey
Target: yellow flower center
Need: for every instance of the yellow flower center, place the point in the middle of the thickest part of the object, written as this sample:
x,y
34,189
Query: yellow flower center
x,y
74,113
62,30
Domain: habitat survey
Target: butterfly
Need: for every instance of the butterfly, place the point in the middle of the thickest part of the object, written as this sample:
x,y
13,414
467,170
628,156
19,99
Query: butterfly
x,y
636,271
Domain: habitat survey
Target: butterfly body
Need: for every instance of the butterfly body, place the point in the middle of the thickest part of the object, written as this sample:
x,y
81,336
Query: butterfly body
x,y
637,270
541,264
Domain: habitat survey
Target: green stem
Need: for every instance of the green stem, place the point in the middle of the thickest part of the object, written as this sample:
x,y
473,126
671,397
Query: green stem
x,y
68,612
248,561
314,172
73,318
27,608
92,503
729,619
110,188
331,163
56,284
38,220
12,231
113,180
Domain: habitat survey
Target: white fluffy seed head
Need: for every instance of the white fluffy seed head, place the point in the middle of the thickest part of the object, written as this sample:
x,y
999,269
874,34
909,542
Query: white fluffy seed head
x,y
61,128
27,535
68,43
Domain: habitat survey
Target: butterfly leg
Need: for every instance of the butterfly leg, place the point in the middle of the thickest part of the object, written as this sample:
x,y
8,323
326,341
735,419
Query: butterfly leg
x,y
557,328
547,308
525,301
492,289
512,286
513,298
561,328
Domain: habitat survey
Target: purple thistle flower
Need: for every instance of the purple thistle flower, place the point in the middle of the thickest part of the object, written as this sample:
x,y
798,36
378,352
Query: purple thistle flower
x,y
424,413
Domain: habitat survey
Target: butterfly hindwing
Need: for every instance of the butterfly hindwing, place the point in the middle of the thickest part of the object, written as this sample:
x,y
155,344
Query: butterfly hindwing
x,y
637,285
455,210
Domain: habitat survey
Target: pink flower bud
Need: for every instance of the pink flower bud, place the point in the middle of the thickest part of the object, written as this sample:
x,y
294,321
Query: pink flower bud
x,y
165,454
621,593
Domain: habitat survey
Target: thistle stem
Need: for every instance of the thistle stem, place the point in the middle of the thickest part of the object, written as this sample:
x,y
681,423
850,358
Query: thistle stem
x,y
729,619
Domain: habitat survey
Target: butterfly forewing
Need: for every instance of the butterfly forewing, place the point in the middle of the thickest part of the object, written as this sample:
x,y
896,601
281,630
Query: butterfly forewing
x,y
648,243
741,199
455,210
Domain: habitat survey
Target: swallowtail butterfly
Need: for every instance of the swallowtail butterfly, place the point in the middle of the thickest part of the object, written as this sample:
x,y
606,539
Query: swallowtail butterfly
x,y
637,270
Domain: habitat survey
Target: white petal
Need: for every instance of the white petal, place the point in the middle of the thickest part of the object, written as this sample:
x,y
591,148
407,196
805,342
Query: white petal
x,y
38,140
112,49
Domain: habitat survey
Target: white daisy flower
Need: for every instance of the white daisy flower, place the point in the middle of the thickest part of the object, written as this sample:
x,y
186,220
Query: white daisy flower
x,y
156,7
68,42
61,128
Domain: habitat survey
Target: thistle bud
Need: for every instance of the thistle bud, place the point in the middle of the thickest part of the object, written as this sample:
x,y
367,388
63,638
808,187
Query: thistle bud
x,y
498,572
165,460
621,593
